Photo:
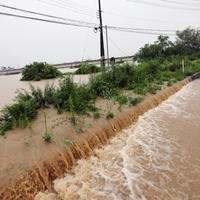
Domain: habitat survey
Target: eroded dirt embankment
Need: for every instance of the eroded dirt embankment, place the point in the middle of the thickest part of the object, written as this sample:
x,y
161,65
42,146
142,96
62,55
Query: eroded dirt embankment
x,y
156,158
41,176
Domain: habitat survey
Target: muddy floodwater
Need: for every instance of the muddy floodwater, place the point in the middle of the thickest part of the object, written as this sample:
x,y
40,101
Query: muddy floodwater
x,y
10,84
158,158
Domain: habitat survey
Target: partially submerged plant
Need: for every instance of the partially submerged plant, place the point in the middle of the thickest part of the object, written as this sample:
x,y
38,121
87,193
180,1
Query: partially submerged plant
x,y
88,69
96,114
71,109
38,71
134,100
122,100
47,137
68,141
110,115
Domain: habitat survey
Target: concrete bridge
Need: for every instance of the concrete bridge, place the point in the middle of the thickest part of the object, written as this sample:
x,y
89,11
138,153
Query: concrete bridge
x,y
69,65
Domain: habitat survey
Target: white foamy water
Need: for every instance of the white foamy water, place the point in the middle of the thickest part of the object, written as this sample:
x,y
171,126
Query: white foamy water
x,y
158,158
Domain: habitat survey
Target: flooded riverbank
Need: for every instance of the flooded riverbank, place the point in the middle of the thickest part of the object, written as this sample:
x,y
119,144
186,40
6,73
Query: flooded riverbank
x,y
9,84
155,159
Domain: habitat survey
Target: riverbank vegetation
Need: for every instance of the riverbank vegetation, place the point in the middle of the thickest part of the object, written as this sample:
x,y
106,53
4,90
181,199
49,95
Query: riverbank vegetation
x,y
159,65
88,69
39,71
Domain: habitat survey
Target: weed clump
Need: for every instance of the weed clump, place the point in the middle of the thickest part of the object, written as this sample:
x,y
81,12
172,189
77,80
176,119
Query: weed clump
x,y
47,138
110,115
96,114
68,141
88,69
39,71
122,100
18,115
134,100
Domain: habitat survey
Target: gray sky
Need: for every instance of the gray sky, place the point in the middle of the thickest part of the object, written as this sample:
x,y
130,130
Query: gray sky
x,y
24,41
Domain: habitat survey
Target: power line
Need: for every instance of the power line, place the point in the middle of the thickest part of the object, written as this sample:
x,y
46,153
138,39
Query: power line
x,y
73,6
163,6
83,22
123,29
56,4
141,29
46,15
80,6
117,47
143,32
46,20
180,3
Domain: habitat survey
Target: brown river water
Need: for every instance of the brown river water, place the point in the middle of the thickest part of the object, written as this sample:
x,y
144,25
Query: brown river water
x,y
158,158
10,84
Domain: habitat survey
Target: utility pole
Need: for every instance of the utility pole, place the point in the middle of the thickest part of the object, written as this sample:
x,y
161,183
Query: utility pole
x,y
108,56
101,37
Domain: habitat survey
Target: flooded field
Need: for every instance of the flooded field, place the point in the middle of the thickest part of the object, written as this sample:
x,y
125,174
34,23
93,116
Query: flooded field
x,y
9,84
158,158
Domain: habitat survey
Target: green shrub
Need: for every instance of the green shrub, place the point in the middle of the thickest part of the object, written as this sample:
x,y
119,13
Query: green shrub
x,y
38,71
102,88
96,114
18,115
49,94
68,141
139,89
152,88
122,100
47,138
5,126
81,96
134,100
88,69
110,115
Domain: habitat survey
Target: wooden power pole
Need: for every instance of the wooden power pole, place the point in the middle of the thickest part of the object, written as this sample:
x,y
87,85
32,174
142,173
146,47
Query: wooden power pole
x,y
102,51
108,56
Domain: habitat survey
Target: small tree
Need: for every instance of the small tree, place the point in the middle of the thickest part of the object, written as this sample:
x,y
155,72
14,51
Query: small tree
x,y
38,71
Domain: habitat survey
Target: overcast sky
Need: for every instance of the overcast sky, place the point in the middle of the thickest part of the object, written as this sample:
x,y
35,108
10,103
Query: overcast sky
x,y
24,41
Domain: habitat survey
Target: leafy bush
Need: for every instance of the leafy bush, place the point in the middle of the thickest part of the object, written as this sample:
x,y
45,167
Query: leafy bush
x,y
122,100
80,96
88,69
38,71
96,115
18,115
47,138
100,87
5,126
110,115
153,88
134,100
